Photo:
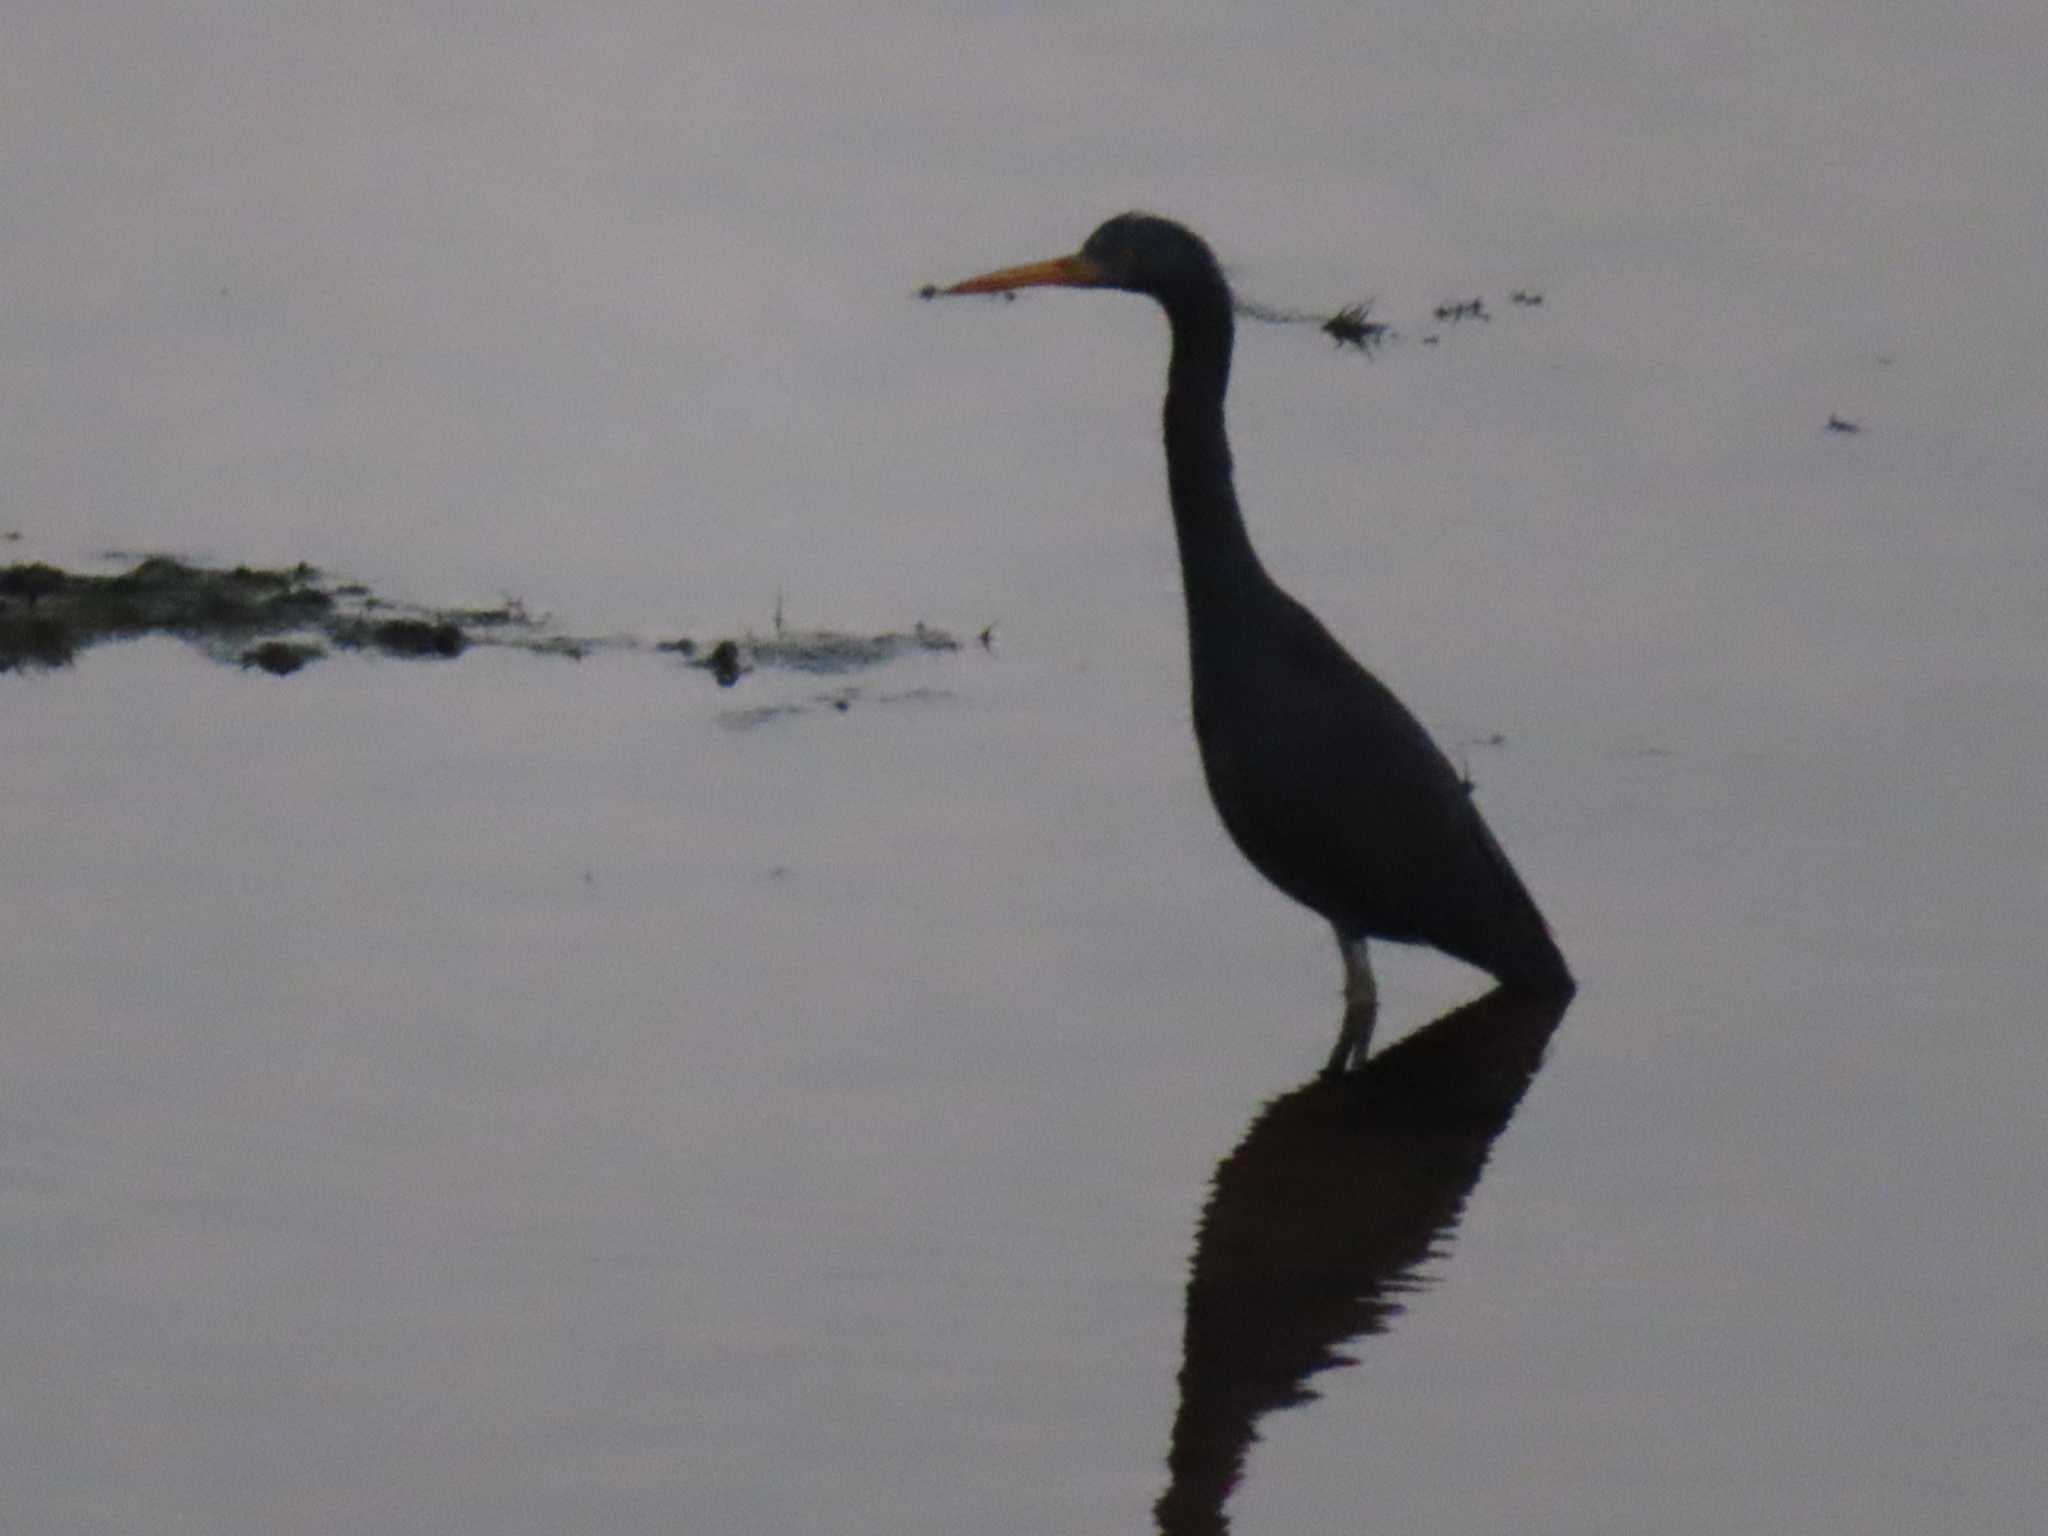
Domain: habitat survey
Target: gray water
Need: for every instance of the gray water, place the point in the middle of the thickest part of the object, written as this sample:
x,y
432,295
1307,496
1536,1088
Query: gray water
x,y
521,1095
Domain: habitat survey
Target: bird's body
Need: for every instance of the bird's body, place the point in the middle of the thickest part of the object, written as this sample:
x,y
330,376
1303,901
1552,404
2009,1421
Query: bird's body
x,y
1325,781
1311,761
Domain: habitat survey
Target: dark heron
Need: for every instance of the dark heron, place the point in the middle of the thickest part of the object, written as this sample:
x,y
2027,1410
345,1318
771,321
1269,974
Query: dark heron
x,y
1325,781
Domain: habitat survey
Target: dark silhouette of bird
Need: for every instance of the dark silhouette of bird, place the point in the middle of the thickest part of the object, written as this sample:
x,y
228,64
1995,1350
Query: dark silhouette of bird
x,y
1340,1204
1323,778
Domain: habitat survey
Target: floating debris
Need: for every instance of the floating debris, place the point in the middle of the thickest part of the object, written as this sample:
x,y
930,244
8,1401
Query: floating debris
x,y
424,638
47,615
839,701
813,650
1463,747
279,621
1352,326
511,613
31,582
822,650
567,647
34,640
724,662
281,658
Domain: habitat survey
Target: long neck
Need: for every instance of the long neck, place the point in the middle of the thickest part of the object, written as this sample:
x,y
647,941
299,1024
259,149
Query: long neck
x,y
1218,565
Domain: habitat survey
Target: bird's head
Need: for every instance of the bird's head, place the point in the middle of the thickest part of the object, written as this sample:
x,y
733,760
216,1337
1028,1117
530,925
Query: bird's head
x,y
1136,252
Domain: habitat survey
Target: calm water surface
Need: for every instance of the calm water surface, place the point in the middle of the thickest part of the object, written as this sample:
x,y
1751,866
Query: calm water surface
x,y
515,1095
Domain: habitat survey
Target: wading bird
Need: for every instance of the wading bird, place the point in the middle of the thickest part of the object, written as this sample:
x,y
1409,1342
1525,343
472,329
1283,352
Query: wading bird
x,y
1323,778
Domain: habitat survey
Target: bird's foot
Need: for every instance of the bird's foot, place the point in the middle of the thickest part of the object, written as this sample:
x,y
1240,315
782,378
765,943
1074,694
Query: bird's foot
x,y
1353,1038
1361,1008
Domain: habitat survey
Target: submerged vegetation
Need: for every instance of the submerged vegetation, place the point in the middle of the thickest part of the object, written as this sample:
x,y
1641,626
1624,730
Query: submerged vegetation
x,y
280,620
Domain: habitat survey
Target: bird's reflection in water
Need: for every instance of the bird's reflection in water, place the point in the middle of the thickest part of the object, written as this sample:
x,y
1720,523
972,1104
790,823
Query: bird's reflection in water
x,y
1318,1222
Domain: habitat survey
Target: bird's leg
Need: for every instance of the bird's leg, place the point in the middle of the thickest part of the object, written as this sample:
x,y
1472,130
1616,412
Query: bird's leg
x,y
1361,1006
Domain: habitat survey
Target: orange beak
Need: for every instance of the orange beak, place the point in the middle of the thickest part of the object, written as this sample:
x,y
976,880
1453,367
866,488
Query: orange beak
x,y
1075,271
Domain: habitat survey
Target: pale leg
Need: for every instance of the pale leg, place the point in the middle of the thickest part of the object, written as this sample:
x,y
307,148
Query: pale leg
x,y
1361,1006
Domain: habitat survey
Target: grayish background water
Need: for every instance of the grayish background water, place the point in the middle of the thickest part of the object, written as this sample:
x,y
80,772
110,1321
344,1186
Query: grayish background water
x,y
508,1096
